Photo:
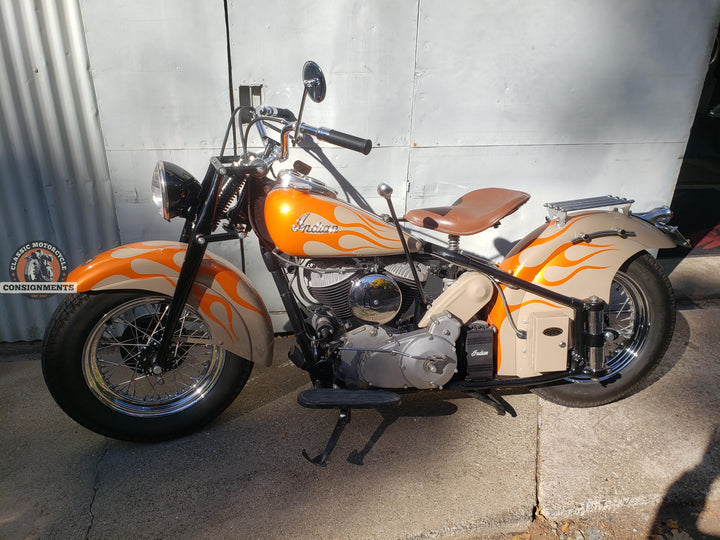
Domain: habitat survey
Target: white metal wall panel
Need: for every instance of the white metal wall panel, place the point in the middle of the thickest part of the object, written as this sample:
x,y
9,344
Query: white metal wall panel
x,y
367,52
160,75
531,72
366,49
160,72
54,181
561,99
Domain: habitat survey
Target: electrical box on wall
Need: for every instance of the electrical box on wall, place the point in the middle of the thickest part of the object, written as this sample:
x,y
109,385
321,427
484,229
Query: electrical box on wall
x,y
249,95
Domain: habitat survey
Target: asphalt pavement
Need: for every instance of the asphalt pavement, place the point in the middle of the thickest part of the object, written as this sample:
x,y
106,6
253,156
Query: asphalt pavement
x,y
438,466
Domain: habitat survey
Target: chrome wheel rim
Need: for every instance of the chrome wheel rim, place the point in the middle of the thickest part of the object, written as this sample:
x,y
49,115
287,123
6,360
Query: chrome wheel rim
x,y
627,318
117,372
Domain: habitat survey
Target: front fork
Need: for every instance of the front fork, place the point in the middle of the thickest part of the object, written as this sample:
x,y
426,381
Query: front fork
x,y
193,259
197,239
157,353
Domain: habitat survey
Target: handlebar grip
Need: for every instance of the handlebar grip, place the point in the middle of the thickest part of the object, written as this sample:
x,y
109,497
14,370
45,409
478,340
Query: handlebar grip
x,y
350,142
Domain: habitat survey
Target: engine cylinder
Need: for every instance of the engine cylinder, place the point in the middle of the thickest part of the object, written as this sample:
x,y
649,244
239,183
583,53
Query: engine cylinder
x,y
332,289
346,289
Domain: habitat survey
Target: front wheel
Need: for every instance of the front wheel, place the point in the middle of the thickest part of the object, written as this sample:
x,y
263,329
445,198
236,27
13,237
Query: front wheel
x,y
96,366
639,322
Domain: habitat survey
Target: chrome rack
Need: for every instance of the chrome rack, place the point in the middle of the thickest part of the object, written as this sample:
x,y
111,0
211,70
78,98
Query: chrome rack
x,y
560,209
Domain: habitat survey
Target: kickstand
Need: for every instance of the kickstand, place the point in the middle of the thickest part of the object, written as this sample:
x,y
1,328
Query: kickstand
x,y
322,459
495,401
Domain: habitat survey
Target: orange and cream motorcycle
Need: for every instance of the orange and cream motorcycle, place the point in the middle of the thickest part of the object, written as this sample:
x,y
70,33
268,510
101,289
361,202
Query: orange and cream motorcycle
x,y
161,336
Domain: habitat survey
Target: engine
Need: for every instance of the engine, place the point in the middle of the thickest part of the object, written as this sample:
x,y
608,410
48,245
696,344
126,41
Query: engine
x,y
369,296
424,358
373,350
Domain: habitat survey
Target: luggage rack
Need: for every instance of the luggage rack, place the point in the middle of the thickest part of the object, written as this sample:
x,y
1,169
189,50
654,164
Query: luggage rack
x,y
560,209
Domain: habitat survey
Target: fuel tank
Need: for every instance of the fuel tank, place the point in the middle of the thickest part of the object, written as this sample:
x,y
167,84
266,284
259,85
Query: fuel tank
x,y
305,219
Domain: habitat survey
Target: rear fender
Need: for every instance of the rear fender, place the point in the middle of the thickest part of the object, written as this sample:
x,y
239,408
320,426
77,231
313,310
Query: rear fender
x,y
222,294
558,258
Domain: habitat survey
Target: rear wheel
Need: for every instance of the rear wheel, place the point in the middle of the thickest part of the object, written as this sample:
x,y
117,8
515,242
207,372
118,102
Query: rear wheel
x,y
96,364
639,322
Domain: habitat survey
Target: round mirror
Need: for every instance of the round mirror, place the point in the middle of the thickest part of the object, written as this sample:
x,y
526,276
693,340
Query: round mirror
x,y
314,81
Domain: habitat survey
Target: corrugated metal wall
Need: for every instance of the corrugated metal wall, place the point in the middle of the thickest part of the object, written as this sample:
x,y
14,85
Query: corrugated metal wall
x,y
54,179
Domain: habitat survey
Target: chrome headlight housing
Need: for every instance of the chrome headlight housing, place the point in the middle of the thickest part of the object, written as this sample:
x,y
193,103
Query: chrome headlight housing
x,y
175,192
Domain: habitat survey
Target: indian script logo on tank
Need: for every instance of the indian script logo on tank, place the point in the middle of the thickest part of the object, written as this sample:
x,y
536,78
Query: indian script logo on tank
x,y
38,269
313,227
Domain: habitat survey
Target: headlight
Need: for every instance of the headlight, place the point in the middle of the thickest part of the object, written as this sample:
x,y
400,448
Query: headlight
x,y
175,191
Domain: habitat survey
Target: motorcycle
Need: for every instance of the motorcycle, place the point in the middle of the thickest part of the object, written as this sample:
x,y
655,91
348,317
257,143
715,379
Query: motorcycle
x,y
38,267
162,336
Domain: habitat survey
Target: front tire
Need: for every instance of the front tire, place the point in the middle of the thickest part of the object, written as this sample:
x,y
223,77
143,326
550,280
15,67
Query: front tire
x,y
641,312
95,369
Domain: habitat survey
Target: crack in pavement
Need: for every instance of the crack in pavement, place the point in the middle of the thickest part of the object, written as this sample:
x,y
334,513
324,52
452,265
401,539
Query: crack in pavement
x,y
96,488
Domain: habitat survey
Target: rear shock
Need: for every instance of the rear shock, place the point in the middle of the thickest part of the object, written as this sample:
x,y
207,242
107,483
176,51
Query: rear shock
x,y
594,335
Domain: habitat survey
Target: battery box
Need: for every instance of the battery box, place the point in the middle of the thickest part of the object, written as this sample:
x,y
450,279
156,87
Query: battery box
x,y
479,351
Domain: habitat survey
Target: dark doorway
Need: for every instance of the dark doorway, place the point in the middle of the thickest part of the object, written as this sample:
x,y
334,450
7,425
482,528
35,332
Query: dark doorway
x,y
696,202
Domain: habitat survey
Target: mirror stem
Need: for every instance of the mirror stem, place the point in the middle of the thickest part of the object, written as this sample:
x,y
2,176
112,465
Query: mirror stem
x,y
298,136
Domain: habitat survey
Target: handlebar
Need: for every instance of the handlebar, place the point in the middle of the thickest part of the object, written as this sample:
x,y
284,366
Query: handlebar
x,y
260,166
345,140
338,138
351,142
285,114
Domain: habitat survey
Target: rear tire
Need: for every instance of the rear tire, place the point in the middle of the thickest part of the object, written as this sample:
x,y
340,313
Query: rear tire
x,y
642,310
94,368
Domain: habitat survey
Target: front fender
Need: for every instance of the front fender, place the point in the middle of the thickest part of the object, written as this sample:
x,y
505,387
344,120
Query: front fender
x,y
556,258
222,294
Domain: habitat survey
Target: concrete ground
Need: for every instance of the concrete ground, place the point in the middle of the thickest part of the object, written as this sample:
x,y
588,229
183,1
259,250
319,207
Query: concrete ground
x,y
439,466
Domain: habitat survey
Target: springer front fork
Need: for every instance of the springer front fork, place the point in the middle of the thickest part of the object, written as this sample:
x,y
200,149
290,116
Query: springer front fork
x,y
197,239
197,235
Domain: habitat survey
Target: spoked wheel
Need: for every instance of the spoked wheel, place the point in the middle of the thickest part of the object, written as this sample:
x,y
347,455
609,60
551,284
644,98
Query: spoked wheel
x,y
639,321
118,369
98,359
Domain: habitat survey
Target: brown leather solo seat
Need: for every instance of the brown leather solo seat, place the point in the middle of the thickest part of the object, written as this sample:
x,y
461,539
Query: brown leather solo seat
x,y
471,213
